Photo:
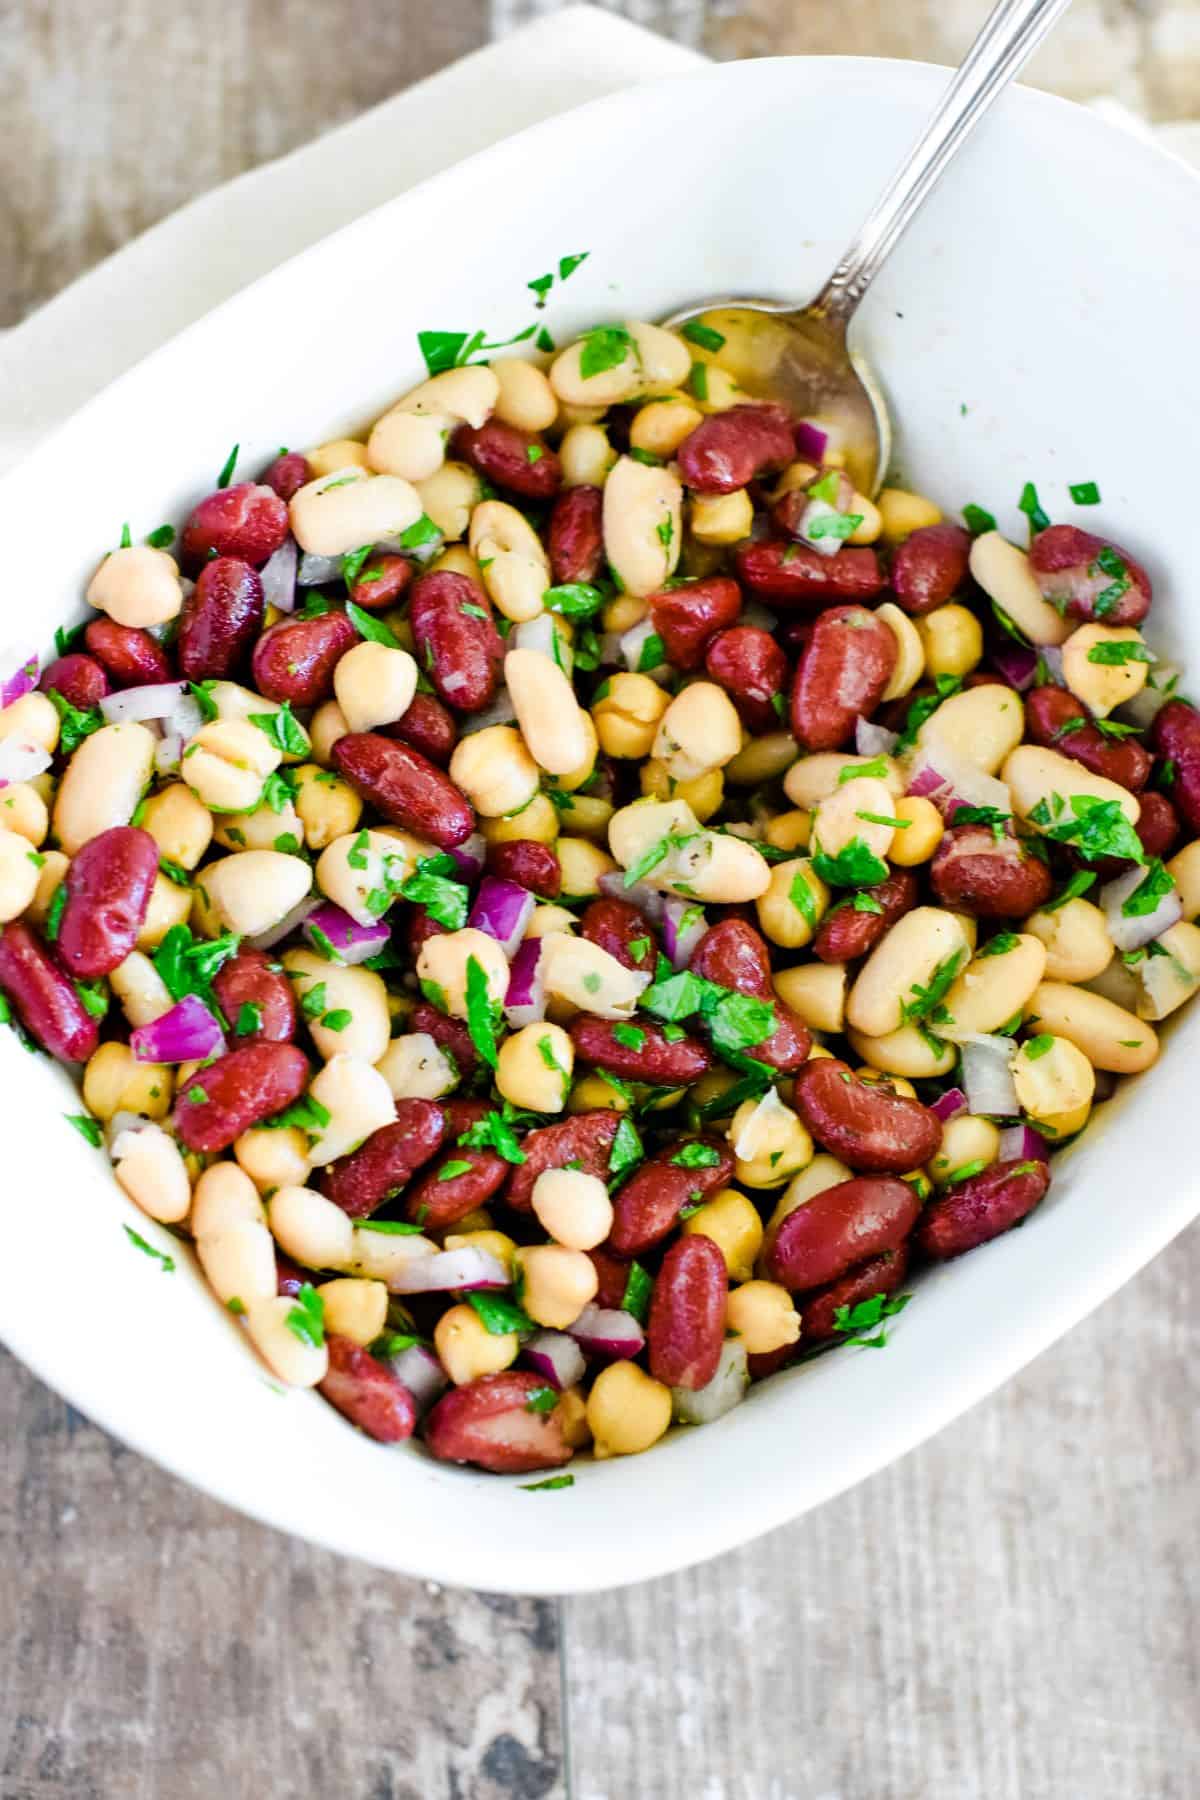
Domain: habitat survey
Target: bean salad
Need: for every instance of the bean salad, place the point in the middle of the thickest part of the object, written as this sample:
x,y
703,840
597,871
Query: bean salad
x,y
564,904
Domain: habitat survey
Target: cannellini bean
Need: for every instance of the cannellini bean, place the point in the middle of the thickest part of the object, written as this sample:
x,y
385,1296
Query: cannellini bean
x,y
255,889
380,1257
992,988
661,427
910,651
699,731
115,1082
444,962
409,445
643,512
558,1283
495,770
374,685
907,1051
816,992
534,1067
20,869
359,864
635,829
226,764
150,1168
1004,574
1184,869
354,1308
573,1207
1109,1036
1036,776
449,496
103,783
416,1067
289,1358
1078,945
795,902
31,720
141,990
1103,685
224,1196
654,361
137,586
311,1229
525,398
558,733
586,456
180,825
917,945
982,725
859,809
346,1008
812,779
23,810
358,1100
511,558
239,1262
342,511
578,971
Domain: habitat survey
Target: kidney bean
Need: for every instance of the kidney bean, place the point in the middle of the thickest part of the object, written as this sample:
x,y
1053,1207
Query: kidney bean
x,y
514,459
436,1201
248,979
384,1165
220,619
404,787
381,581
839,1227
655,1059
686,1327
1049,709
428,727
239,1090
488,1422
80,680
287,474
295,659
881,1274
786,574
981,1207
575,535
249,521
419,928
131,658
1175,735
730,449
648,1205
1158,825
586,1139
769,1362
108,887
618,927
930,567
289,1277
842,672
450,1034
735,955
844,934
456,638
989,877
686,618
613,1274
874,1130
530,864
367,1393
44,997
1065,566
748,663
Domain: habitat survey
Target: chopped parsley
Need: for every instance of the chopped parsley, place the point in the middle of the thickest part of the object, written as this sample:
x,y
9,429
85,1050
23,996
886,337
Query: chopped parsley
x,y
1031,506
877,767
249,1018
306,1320
631,1036
75,723
482,1012
855,1322
574,600
639,1286
368,626
702,335
1079,884
1034,1048
926,1002
228,467
444,900
978,519
1096,828
87,1127
658,853
139,1243
494,1132
1000,945
1119,651
1154,886
551,1483
626,1150
696,1156
282,730
653,652
603,348
855,865
1084,493
498,1315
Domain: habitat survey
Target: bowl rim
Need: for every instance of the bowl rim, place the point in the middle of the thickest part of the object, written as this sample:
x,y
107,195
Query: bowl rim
x,y
702,1533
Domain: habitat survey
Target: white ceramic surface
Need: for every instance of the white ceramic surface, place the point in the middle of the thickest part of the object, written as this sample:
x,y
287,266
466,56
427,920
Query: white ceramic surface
x,y
1037,323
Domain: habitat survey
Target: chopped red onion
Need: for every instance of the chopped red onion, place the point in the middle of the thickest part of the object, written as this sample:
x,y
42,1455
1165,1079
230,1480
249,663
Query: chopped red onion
x,y
1017,663
419,1370
470,855
1134,933
817,512
168,752
352,941
557,1356
607,1331
187,1033
502,909
156,700
446,1271
947,1106
315,571
1021,1143
951,781
542,634
18,674
631,645
20,761
279,577
874,740
684,924
648,900
811,441
525,1001
987,1077
275,934
1052,657
700,1406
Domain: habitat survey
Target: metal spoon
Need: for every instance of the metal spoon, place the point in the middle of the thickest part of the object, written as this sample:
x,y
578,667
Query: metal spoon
x,y
800,356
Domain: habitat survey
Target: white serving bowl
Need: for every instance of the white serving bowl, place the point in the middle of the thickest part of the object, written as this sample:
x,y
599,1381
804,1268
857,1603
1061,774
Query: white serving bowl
x,y
1037,323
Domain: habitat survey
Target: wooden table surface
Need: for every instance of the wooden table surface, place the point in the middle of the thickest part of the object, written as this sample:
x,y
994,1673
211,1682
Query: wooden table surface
x,y
1011,1613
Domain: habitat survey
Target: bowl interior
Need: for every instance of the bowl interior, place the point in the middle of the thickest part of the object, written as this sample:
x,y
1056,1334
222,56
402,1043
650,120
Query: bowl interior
x,y
1019,339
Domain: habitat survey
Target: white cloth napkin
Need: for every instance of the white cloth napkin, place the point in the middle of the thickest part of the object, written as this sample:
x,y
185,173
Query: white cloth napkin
x,y
188,263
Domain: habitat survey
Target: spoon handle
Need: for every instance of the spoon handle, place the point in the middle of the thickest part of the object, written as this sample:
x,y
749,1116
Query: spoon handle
x,y
1010,34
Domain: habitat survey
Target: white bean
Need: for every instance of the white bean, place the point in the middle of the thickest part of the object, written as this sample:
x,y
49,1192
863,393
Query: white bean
x,y
358,1100
340,512
151,1169
289,1358
643,511
20,869
558,733
346,1007
699,731
1004,574
255,889
103,783
917,945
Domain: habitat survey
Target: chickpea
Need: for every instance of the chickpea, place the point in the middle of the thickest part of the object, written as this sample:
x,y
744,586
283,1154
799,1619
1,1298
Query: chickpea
x,y
23,810
103,782
627,1411
816,992
290,1358
557,732
585,815
627,716
1055,1083
262,829
952,640
703,793
762,1314
254,890
534,1067
642,525
558,1283
573,1207
544,920
794,904
137,586
536,821
20,870
586,456
416,1067
358,1100
733,1224
338,453
354,1308
150,1168
578,971
115,1081
860,810
169,905
226,764
346,1007
326,805
482,1237
274,1159
721,390
594,1093
582,865
443,962
1104,685
494,769
661,426
770,1142
140,989
468,1349
790,830
896,1083
180,826
721,518
456,559
374,685
967,1141
699,731
923,831
326,726
903,513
